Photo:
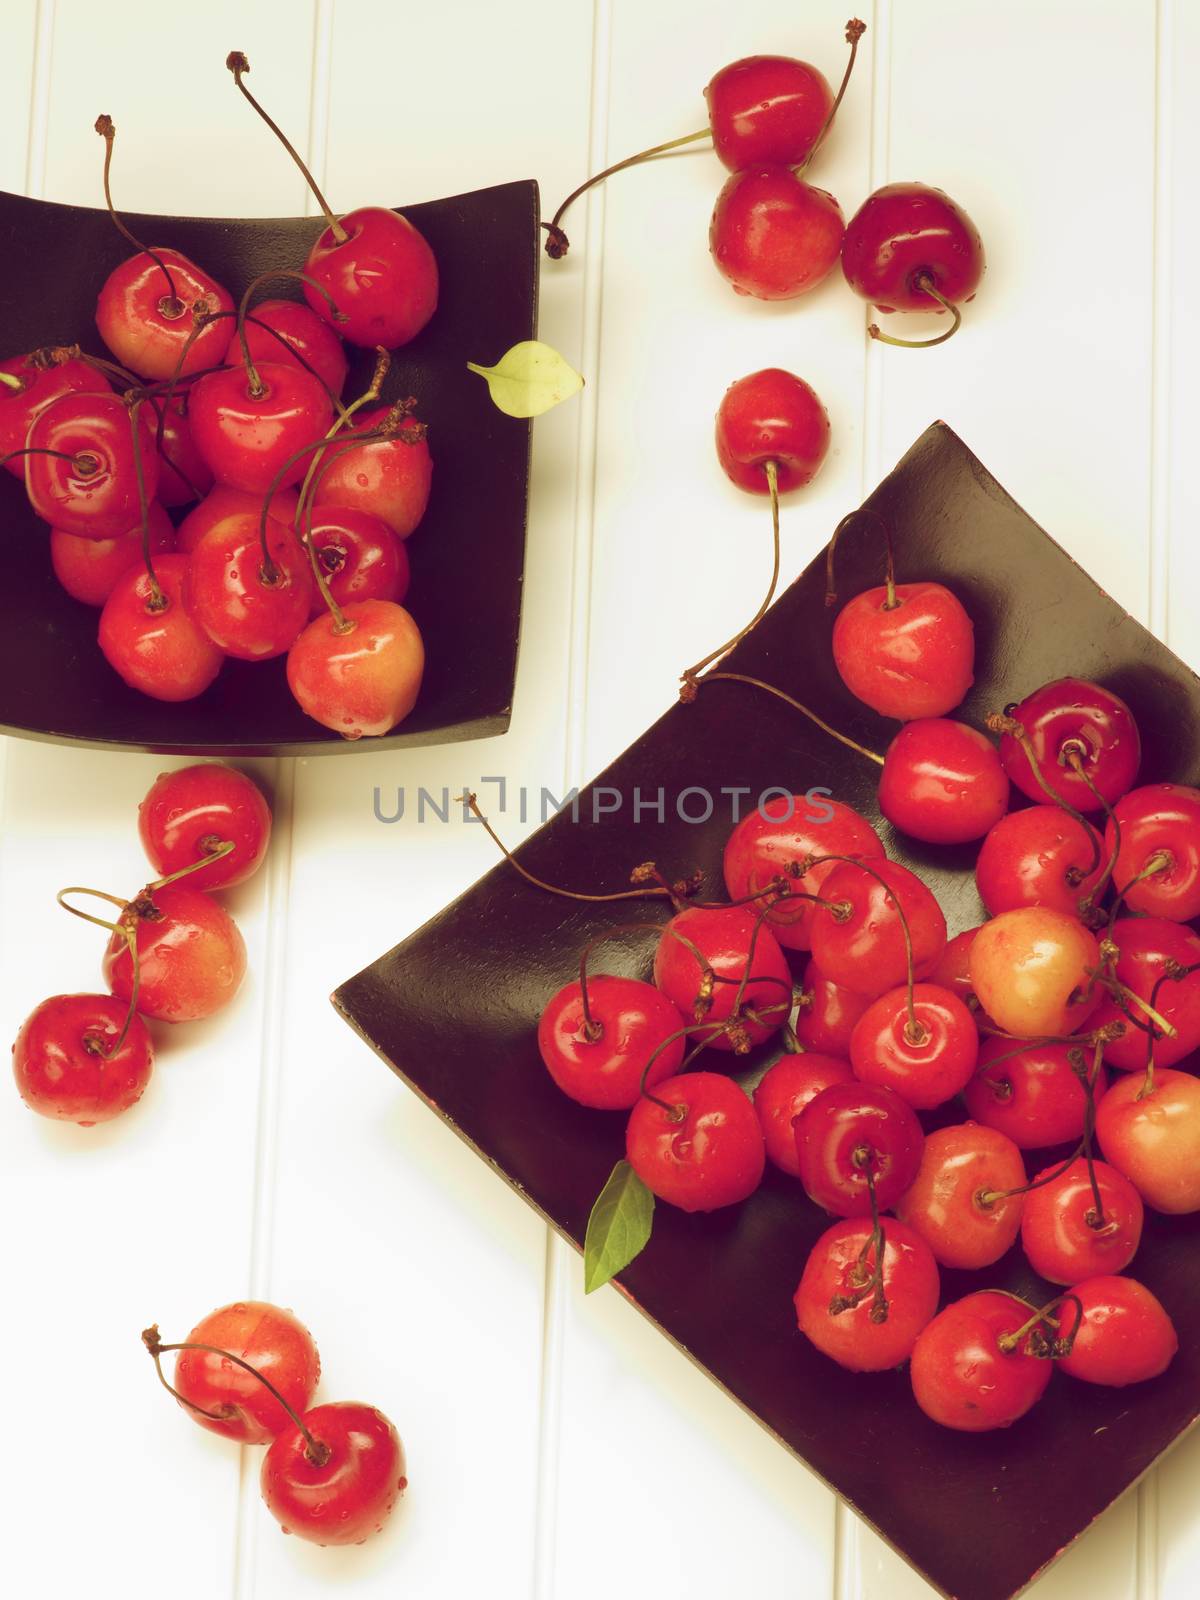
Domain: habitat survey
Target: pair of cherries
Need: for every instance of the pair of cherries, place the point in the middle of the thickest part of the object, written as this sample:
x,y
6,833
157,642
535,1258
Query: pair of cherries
x,y
174,955
332,1473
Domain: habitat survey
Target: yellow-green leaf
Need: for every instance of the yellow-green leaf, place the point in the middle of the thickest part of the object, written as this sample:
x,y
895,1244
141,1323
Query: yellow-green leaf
x,y
618,1227
529,379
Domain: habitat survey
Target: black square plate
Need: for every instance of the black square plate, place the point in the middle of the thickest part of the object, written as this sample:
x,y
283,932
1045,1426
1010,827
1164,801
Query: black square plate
x,y
467,556
454,1009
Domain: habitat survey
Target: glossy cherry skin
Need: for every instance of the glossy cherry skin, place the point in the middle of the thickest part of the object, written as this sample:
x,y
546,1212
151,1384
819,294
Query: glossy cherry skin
x,y
188,812
1147,946
914,659
1124,1335
926,1066
103,503
845,1131
1033,858
772,235
183,473
953,970
905,232
388,478
350,1496
835,1268
782,1094
631,1021
191,954
1057,1228
61,1064
706,1152
942,782
771,416
963,1378
142,328
245,438
723,935
781,833
383,279
1033,1096
1029,969
766,109
88,569
162,653
1068,715
286,331
221,502
1153,1137
360,556
275,1343
250,611
865,951
1159,818
364,680
42,380
827,1013
950,1204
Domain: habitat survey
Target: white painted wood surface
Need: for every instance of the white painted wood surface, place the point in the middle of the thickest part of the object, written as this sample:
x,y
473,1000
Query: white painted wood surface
x,y
559,1449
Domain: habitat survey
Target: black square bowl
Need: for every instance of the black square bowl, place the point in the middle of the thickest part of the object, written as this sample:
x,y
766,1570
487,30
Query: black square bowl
x,y
453,1010
467,556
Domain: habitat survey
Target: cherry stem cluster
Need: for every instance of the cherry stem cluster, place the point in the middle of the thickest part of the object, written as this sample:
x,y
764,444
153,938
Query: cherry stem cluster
x,y
1056,1346
871,1277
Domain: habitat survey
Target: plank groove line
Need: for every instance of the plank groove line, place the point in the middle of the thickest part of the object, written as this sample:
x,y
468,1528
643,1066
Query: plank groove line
x,y
39,100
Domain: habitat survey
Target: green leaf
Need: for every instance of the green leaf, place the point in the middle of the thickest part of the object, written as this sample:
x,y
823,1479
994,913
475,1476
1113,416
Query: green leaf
x,y
618,1227
529,379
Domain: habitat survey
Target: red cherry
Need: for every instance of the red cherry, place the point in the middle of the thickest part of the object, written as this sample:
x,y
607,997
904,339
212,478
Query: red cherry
x,y
911,659
40,379
851,1130
191,811
953,1202
771,416
723,936
361,557
160,651
782,832
942,782
926,1061
62,1064
964,1375
827,1013
1072,718
221,502
706,1151
298,332
360,676
1124,1335
601,1064
251,611
1038,857
246,437
1150,947
837,1270
346,1495
191,955
383,278
953,971
782,1094
388,478
95,494
1030,970
1033,1095
146,327
767,109
183,473
772,235
907,240
275,1343
1063,1234
89,568
864,949
1151,1135
1160,828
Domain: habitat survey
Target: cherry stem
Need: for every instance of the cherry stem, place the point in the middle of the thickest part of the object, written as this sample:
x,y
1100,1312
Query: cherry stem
x,y
593,1030
557,243
1105,1035
990,1197
864,1159
1001,722
890,602
219,851
1160,861
796,705
675,1112
926,285
172,305
316,1453
914,1031
1095,1218
84,463
238,64
11,381
854,32
1125,996
1058,1346
56,355
1072,755
256,383
158,600
127,928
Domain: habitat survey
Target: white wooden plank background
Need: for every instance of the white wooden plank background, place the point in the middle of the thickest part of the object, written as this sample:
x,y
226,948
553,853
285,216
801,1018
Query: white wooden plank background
x,y
559,1450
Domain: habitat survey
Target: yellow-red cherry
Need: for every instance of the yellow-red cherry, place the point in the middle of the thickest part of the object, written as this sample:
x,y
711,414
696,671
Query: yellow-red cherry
x,y
69,1065
275,1343
191,956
